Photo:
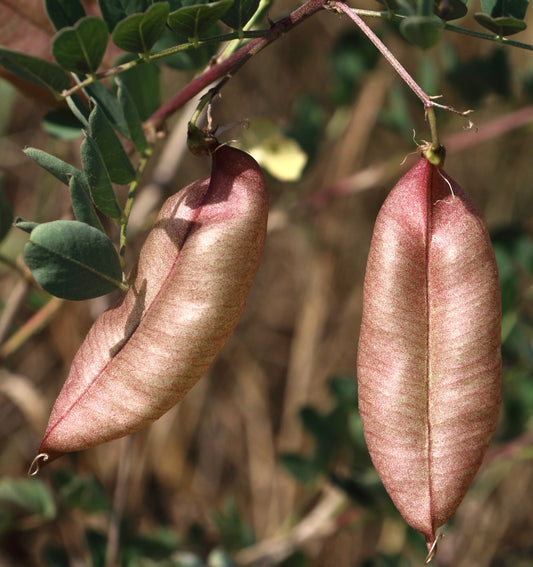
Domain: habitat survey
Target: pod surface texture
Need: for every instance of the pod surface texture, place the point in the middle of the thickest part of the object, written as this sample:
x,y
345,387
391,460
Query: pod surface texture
x,y
194,273
429,361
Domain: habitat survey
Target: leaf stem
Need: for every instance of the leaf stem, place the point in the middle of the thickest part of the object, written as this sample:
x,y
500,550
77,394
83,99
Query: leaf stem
x,y
134,185
147,58
427,101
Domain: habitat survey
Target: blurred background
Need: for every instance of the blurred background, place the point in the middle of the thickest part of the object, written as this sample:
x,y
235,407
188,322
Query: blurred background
x,y
264,462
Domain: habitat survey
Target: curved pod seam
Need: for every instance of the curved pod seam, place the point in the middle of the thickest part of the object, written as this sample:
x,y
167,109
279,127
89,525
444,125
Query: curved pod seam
x,y
429,362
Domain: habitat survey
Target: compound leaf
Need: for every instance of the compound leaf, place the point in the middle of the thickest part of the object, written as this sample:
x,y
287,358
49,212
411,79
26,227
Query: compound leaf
x,y
139,32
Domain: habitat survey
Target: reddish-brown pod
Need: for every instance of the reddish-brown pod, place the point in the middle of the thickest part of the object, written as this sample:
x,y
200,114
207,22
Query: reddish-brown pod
x,y
429,362
192,280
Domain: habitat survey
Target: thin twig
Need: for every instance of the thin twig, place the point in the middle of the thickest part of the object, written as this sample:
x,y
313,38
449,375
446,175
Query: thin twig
x,y
234,62
427,101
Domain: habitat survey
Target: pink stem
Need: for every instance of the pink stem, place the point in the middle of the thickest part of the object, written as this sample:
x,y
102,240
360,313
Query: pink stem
x,y
232,63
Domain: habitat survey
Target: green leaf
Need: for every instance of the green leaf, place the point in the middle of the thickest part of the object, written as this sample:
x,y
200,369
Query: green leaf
x,y
113,11
422,31
115,158
302,469
80,48
502,26
78,109
82,205
503,8
109,104
72,260
81,491
100,186
6,212
60,123
191,21
36,71
57,167
26,226
26,497
240,13
139,32
133,119
64,13
144,85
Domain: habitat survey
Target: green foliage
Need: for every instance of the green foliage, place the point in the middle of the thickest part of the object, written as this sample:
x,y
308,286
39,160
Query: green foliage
x,y
477,77
423,31
133,120
240,13
34,70
72,260
64,13
193,21
57,167
351,57
82,205
503,17
98,178
108,102
513,247
143,83
139,32
114,157
191,59
80,491
113,11
61,123
23,498
80,48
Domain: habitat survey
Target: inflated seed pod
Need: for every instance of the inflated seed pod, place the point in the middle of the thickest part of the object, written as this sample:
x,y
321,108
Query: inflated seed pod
x,y
429,363
192,280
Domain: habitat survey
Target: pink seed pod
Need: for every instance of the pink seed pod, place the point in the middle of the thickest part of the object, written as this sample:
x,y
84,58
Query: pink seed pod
x,y
193,276
429,362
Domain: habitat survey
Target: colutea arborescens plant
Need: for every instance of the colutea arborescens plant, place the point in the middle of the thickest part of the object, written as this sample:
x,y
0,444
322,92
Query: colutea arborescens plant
x,y
192,280
429,363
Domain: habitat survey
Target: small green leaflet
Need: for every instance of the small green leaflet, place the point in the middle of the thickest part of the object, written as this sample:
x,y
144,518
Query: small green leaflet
x,y
115,158
72,260
191,21
100,185
133,119
114,11
64,13
240,13
34,70
80,48
82,205
139,32
57,167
